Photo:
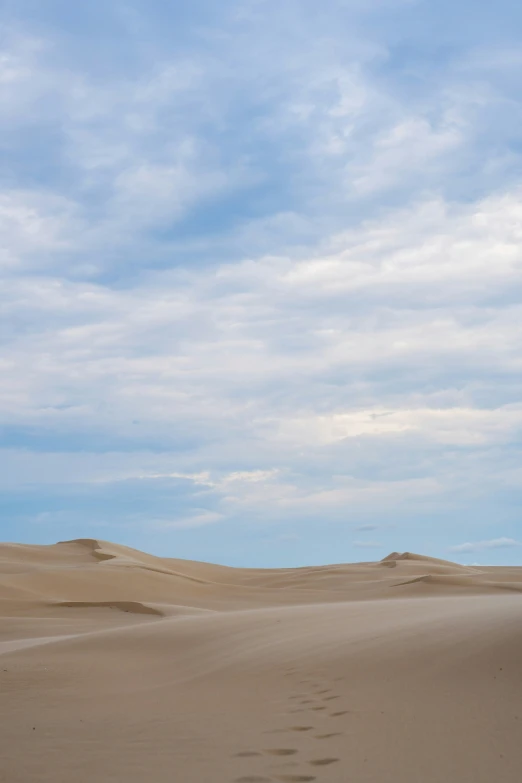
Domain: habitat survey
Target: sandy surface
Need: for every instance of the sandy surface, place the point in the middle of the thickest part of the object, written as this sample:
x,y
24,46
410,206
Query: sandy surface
x,y
120,666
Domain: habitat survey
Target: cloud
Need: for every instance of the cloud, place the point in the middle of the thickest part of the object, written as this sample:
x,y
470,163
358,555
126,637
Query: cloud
x,y
193,521
143,149
208,366
34,226
480,546
457,426
402,149
264,276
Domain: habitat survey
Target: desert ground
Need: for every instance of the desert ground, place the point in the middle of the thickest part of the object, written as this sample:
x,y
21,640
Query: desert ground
x,y
120,666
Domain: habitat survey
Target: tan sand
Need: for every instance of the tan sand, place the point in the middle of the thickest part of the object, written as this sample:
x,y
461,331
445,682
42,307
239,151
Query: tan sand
x,y
119,666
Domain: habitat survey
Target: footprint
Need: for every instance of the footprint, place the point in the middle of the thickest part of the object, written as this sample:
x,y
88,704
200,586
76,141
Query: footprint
x,y
317,709
247,753
327,736
300,728
295,778
331,698
252,779
323,762
337,714
281,751
326,690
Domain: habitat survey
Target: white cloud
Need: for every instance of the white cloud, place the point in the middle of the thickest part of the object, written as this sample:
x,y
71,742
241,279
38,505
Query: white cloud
x,y
199,348
479,546
249,476
456,426
197,478
402,150
130,144
433,244
35,224
364,494
193,521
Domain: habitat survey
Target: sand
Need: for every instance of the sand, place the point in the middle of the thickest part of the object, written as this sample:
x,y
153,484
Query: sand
x,y
123,667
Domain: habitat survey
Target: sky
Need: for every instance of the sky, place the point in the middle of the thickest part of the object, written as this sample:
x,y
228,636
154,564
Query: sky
x,y
261,267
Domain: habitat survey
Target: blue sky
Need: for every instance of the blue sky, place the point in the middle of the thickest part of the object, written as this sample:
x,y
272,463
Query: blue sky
x,y
261,271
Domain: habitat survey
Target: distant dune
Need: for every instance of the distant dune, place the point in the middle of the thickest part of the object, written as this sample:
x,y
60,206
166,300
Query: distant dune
x,y
116,665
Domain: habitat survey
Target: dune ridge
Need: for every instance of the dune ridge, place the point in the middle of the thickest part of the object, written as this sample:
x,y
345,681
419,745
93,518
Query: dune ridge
x,y
96,572
116,665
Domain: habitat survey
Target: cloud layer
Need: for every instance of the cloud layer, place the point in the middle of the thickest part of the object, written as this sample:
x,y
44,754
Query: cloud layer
x,y
260,281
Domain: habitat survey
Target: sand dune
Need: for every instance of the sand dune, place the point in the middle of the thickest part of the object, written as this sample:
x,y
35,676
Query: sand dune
x,y
116,665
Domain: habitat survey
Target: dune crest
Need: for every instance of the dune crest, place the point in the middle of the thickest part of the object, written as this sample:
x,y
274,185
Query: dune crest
x,y
135,607
411,556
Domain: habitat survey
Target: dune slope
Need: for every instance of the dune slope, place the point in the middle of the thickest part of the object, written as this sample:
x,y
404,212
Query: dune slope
x,y
120,666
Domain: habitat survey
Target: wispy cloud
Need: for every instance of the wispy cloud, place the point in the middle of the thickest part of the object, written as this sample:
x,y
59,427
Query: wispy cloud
x,y
480,546
195,520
